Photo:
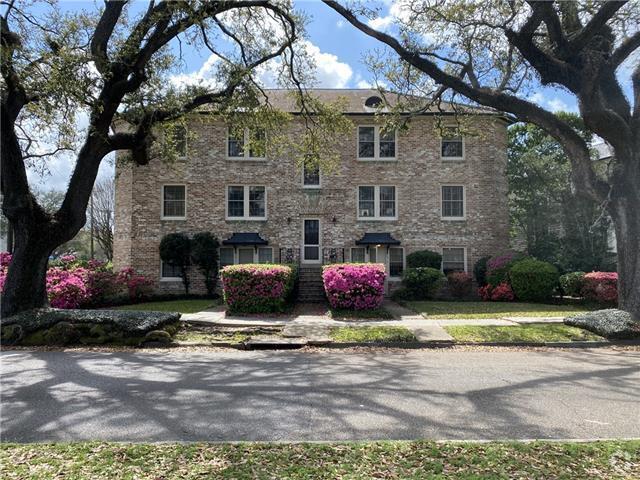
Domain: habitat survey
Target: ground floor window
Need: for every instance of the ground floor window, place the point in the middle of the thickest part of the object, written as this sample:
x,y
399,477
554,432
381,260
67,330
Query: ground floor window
x,y
169,272
453,259
227,256
396,261
241,255
265,255
358,255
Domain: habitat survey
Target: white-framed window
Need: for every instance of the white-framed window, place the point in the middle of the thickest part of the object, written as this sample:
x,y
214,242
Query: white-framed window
x,y
248,146
169,273
454,259
452,145
375,144
377,202
310,176
396,261
453,202
174,202
265,255
245,255
358,255
226,256
246,202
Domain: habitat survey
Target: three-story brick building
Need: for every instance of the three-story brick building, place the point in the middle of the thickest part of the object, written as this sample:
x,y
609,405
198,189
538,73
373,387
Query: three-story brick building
x,y
390,195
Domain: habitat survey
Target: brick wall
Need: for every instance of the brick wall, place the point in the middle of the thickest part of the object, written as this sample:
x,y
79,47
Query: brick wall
x,y
418,174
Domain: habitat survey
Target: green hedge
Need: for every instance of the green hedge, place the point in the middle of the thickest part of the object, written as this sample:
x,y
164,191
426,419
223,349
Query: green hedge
x,y
422,283
572,283
424,258
533,280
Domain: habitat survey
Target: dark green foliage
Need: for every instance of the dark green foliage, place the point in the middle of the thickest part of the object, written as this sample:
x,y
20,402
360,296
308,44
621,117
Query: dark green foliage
x,y
424,258
175,249
204,255
571,283
559,225
422,283
533,280
480,271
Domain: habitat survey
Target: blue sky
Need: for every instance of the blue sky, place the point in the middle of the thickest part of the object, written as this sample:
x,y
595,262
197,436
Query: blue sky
x,y
337,47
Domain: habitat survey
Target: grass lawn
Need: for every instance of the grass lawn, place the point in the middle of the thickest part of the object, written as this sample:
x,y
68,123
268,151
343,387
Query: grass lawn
x,y
386,460
372,334
433,310
182,306
535,332
375,313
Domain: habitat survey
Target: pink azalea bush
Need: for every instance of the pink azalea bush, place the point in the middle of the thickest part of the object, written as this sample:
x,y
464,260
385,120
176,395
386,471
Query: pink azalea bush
x,y
257,288
354,286
498,266
73,283
501,293
601,287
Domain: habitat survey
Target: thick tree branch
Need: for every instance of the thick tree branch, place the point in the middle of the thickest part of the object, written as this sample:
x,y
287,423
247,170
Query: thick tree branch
x,y
103,32
599,20
625,49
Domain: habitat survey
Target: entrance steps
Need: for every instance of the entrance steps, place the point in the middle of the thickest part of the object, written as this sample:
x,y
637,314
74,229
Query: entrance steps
x,y
310,286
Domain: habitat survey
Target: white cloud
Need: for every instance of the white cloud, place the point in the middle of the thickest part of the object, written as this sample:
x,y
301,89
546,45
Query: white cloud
x,y
205,76
556,105
340,23
380,23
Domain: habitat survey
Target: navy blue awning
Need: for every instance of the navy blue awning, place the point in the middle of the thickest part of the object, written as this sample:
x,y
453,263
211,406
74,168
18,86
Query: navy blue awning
x,y
377,239
245,239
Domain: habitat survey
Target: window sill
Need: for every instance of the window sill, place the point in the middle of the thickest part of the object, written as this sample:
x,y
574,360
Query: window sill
x,y
377,219
453,219
246,219
170,279
246,159
311,187
453,159
172,219
378,159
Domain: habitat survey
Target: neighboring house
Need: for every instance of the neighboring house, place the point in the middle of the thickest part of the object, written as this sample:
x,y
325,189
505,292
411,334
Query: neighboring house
x,y
390,195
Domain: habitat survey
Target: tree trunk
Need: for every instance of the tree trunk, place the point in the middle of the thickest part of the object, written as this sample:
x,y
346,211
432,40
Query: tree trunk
x,y
26,285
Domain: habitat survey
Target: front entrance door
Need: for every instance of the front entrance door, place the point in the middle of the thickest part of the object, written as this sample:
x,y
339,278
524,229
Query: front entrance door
x,y
311,240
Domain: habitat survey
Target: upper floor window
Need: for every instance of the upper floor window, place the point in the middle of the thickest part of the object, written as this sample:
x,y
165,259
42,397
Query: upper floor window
x,y
246,202
453,259
453,202
377,202
452,145
374,144
310,176
248,144
174,202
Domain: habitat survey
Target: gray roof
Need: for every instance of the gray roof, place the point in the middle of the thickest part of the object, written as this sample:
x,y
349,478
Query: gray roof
x,y
384,238
248,238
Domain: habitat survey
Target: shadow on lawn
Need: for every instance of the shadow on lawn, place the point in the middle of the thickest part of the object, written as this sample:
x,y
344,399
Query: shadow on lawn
x,y
288,396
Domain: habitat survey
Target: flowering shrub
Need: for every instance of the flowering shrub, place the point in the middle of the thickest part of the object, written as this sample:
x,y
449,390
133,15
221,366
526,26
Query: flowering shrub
x,y
354,286
572,283
601,287
459,284
73,283
501,293
498,266
257,288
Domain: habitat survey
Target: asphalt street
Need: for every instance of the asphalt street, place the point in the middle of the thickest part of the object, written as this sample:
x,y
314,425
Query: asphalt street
x,y
296,396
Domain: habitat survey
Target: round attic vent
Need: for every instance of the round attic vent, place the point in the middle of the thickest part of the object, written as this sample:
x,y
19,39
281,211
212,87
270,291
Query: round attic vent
x,y
373,102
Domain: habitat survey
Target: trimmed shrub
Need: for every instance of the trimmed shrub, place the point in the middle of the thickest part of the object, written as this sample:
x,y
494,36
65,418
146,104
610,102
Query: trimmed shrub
x,y
501,293
459,284
601,287
138,287
533,280
423,282
175,249
204,254
424,258
571,283
257,288
480,271
498,267
357,286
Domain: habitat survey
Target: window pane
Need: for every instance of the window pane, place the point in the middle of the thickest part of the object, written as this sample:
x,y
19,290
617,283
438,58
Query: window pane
x,y
452,147
357,255
387,201
257,146
226,256
453,259
453,201
245,255
174,201
396,261
170,271
311,232
366,136
311,253
235,201
235,144
373,254
265,255
311,175
388,144
366,203
256,201
179,139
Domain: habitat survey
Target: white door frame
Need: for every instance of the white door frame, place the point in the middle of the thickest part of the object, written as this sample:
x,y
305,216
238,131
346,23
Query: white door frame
x,y
319,245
